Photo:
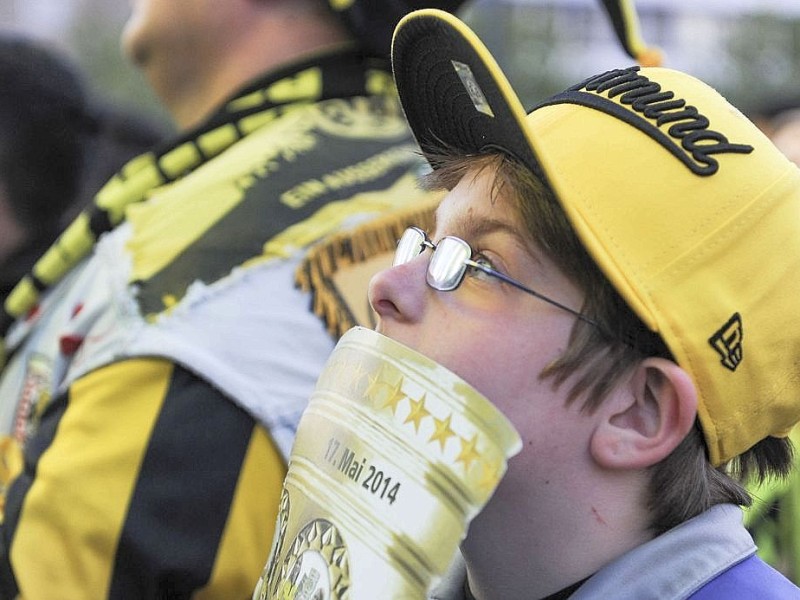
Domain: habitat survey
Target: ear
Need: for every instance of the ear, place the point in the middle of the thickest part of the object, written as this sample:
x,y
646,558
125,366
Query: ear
x,y
644,421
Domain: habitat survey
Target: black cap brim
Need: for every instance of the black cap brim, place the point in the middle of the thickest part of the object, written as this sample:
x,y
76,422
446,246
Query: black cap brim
x,y
453,92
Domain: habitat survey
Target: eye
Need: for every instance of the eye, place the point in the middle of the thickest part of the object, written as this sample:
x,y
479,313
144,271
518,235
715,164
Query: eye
x,y
482,264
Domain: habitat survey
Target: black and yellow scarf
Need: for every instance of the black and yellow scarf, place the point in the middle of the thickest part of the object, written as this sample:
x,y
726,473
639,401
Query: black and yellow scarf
x,y
343,74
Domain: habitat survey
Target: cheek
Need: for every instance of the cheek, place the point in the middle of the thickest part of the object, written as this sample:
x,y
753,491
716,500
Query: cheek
x,y
511,368
553,446
503,361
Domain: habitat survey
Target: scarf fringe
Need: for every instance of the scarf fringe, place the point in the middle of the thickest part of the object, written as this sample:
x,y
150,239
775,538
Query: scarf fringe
x,y
379,236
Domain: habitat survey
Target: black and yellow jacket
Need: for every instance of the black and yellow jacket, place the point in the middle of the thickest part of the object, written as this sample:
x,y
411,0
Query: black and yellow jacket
x,y
159,356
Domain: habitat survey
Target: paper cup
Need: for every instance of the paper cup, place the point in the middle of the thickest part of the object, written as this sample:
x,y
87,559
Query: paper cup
x,y
393,458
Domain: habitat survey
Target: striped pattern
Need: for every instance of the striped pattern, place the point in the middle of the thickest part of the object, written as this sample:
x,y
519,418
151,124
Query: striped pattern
x,y
167,490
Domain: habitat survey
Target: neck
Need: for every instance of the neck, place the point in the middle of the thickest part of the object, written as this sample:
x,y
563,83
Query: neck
x,y
558,538
194,94
195,103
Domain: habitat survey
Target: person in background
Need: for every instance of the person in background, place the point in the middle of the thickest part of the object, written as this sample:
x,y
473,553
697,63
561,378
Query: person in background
x,y
638,324
56,145
158,355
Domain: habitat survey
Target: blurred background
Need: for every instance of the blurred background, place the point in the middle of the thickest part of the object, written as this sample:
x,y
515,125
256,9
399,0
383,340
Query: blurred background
x,y
88,32
748,49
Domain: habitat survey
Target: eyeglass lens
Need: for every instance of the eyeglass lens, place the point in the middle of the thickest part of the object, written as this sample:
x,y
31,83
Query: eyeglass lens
x,y
409,247
447,265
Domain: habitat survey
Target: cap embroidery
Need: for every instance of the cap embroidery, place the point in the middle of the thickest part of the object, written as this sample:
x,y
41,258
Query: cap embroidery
x,y
473,89
689,138
727,341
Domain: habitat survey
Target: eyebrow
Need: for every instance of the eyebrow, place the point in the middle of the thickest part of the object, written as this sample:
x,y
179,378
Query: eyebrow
x,y
472,227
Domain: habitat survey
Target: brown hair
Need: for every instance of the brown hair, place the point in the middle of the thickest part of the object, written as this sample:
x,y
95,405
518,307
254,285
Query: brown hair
x,y
685,483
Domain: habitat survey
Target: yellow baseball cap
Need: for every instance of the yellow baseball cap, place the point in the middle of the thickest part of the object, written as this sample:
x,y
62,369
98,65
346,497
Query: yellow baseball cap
x,y
689,210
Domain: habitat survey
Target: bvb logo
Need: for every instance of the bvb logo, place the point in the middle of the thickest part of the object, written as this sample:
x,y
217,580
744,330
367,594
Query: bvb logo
x,y
315,567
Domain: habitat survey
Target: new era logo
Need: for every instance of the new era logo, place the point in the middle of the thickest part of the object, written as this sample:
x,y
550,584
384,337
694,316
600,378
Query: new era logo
x,y
727,341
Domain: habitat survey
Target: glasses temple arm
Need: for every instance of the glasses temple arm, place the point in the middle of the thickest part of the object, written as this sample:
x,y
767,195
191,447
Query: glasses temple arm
x,y
519,286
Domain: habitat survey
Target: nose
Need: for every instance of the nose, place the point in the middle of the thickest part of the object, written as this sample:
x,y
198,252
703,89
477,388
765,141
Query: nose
x,y
398,293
